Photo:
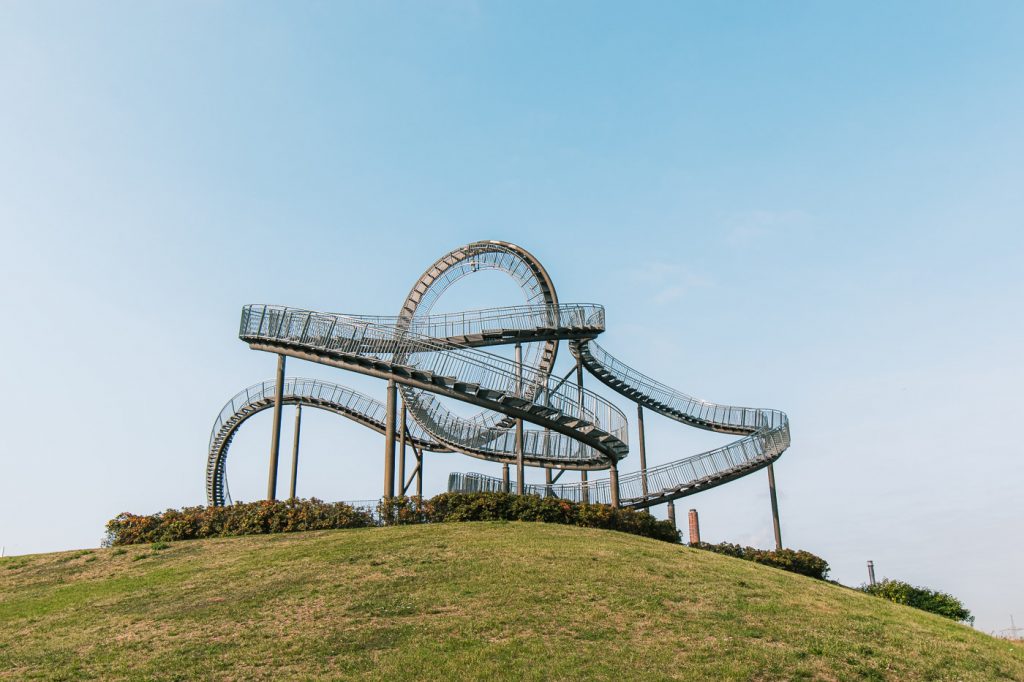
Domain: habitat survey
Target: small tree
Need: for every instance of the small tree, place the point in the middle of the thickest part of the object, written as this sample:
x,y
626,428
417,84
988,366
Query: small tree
x,y
921,598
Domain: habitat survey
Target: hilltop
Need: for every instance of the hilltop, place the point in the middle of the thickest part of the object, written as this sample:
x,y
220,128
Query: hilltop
x,y
460,601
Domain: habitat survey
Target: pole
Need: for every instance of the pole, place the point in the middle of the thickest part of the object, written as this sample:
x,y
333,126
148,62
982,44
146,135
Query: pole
x,y
520,466
871,572
670,508
295,450
504,477
389,439
401,454
585,496
419,472
775,507
643,448
613,484
275,435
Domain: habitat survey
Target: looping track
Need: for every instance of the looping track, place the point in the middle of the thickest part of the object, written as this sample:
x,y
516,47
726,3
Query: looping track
x,y
431,356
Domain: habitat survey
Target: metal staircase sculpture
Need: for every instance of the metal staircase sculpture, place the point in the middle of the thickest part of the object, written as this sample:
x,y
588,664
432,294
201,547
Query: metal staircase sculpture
x,y
438,355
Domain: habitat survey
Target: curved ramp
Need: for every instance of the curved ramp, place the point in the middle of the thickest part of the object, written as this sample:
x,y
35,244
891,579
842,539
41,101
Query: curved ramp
x,y
765,431
322,395
569,417
432,356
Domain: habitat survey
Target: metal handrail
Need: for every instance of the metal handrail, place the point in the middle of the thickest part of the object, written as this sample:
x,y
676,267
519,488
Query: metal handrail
x,y
430,354
766,438
333,333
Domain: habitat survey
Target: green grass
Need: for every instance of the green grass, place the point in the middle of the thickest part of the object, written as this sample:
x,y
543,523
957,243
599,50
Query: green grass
x,y
460,601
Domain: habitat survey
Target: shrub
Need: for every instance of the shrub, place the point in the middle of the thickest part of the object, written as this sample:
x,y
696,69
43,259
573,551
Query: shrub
x,y
239,519
448,507
796,561
297,515
920,598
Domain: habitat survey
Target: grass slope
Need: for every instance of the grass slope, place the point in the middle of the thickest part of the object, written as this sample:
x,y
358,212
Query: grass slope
x,y
460,601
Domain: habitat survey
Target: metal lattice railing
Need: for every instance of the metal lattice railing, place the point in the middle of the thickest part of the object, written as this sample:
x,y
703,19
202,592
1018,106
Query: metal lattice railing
x,y
430,354
341,335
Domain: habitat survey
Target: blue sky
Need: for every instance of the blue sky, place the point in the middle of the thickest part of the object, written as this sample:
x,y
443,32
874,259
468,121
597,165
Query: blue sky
x,y
814,207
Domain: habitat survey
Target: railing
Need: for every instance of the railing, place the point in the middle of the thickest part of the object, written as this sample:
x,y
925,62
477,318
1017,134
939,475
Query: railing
x,y
342,334
312,389
693,410
523,318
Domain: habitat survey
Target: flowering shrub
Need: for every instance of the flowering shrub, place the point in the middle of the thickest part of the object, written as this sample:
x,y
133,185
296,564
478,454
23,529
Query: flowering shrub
x,y
920,598
250,518
448,507
255,518
796,561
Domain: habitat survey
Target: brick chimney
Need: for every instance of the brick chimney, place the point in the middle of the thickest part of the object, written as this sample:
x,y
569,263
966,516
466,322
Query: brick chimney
x,y
694,528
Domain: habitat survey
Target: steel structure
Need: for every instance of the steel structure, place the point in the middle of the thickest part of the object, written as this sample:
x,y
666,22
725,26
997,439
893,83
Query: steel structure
x,y
528,416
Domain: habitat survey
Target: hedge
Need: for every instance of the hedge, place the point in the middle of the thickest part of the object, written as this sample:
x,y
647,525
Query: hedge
x,y
796,561
448,507
252,518
920,598
287,516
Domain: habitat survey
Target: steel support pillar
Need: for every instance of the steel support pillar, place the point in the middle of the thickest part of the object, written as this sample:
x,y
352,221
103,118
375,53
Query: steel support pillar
x,y
420,457
613,484
643,449
585,492
504,478
275,436
389,438
401,454
520,466
295,450
775,507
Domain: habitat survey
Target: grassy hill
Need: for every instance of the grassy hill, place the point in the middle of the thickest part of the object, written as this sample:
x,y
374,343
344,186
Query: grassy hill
x,y
460,601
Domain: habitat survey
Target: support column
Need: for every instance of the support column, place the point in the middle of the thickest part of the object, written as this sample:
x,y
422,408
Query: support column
x,y
419,472
520,467
643,448
775,507
670,509
579,392
401,455
613,484
389,438
504,477
547,482
295,451
275,435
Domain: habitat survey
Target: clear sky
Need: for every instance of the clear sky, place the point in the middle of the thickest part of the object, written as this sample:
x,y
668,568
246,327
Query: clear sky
x,y
815,207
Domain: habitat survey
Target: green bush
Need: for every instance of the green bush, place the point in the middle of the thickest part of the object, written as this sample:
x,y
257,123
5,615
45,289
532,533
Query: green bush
x,y
448,507
296,515
920,598
239,519
796,561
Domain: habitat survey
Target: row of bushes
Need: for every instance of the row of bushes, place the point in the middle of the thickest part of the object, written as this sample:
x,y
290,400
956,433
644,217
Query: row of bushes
x,y
797,561
448,507
922,598
287,516
252,518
